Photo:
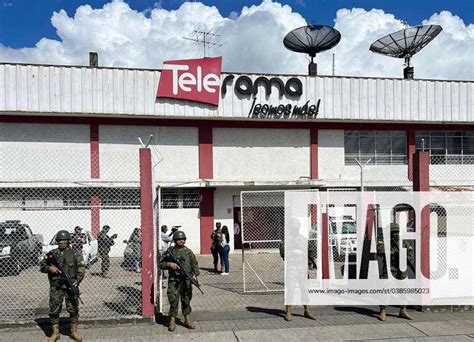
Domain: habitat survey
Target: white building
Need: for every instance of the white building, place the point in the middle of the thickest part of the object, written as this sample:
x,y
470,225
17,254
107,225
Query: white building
x,y
69,139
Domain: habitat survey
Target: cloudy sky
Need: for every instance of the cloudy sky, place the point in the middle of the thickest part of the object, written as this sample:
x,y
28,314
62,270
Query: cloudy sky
x,y
144,33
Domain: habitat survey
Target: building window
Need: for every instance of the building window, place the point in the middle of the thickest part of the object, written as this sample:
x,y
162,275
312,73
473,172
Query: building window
x,y
179,198
69,198
381,147
447,147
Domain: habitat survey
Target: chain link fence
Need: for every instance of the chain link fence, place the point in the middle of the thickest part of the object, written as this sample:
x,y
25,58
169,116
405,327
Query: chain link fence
x,y
47,193
449,224
263,222
263,231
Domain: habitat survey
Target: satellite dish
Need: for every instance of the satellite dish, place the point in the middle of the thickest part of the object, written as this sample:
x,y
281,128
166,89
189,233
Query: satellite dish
x,y
405,43
312,39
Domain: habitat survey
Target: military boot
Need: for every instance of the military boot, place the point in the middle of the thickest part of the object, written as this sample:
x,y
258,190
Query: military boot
x,y
188,323
382,315
74,335
404,314
172,324
288,316
55,335
308,313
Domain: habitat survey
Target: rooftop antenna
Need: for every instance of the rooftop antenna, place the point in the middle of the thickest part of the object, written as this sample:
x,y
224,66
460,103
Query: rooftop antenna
x,y
205,38
406,43
312,39
333,64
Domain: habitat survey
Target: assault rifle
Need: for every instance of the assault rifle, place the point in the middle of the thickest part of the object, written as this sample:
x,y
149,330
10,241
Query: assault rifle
x,y
65,278
182,268
174,229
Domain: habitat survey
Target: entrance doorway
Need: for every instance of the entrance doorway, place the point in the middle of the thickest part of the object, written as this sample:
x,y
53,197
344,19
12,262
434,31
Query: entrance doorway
x,y
237,229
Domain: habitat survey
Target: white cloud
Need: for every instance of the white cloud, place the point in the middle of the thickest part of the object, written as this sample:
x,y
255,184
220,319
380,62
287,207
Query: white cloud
x,y
448,56
252,39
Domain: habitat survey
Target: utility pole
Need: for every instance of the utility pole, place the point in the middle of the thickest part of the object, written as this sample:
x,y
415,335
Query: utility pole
x,y
362,172
204,38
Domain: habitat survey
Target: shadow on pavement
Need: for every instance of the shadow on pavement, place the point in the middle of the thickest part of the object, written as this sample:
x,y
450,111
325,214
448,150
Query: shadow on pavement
x,y
45,325
359,310
130,305
272,312
208,269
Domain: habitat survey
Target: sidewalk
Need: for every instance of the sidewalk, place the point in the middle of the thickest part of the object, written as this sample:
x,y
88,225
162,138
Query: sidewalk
x,y
262,326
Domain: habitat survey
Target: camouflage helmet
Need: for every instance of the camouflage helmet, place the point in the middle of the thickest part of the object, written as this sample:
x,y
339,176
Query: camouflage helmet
x,y
394,227
63,235
179,235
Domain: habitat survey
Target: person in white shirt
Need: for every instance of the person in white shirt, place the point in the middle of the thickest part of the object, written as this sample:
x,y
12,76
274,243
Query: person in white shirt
x,y
236,228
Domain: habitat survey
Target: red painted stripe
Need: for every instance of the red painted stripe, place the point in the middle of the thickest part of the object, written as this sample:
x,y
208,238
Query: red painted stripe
x,y
314,152
421,182
410,151
94,142
206,218
205,153
421,171
95,215
235,123
146,208
325,246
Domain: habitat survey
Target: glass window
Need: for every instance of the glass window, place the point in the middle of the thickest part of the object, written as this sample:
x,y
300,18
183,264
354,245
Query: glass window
x,y
179,198
381,147
447,147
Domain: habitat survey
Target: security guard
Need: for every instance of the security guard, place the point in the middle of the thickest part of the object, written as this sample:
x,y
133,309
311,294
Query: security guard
x,y
74,266
179,286
394,265
105,242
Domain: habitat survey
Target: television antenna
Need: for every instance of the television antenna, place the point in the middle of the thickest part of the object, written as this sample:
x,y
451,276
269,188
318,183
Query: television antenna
x,y
206,38
405,44
312,39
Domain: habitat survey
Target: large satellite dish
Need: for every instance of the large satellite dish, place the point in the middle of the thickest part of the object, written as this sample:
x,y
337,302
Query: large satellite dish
x,y
405,43
312,39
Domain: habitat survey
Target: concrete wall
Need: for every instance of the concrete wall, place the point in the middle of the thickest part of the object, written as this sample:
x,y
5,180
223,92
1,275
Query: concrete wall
x,y
332,167
177,155
37,152
261,154
189,220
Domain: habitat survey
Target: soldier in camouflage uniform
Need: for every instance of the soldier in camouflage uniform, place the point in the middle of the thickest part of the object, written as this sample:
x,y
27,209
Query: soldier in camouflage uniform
x,y
104,243
74,266
311,252
179,286
394,265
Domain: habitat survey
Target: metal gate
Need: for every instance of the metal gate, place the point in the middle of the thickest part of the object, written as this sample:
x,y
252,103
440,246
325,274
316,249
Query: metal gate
x,y
263,229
